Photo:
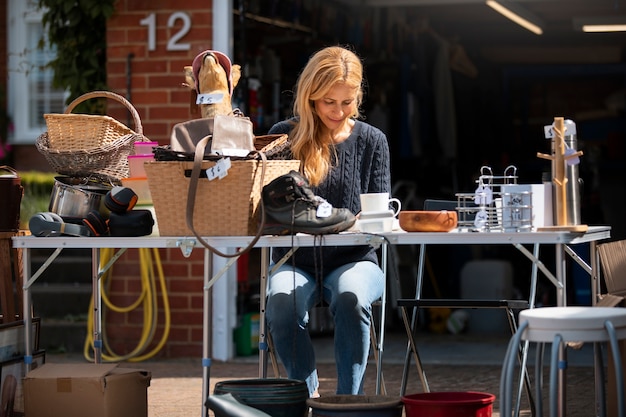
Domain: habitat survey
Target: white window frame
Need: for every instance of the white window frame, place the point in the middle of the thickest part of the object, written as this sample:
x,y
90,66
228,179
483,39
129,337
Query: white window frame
x,y
21,15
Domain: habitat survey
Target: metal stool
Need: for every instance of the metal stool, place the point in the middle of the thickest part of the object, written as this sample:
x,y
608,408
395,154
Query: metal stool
x,y
559,325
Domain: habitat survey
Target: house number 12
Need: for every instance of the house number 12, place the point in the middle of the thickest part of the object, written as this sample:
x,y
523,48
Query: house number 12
x,y
173,44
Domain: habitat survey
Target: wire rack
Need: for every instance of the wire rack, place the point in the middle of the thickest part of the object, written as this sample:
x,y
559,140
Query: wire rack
x,y
493,206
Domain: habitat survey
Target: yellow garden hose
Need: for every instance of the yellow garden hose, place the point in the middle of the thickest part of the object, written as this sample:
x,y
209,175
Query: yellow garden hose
x,y
148,300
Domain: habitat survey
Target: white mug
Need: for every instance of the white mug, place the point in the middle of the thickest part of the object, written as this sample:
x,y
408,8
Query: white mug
x,y
378,202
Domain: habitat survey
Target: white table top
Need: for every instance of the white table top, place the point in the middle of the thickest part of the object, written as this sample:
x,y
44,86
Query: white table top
x,y
455,237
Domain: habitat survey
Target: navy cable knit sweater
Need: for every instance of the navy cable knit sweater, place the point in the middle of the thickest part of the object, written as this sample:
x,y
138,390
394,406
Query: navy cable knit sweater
x,y
362,166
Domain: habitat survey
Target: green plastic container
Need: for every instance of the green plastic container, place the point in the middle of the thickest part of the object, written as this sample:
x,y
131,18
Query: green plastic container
x,y
247,335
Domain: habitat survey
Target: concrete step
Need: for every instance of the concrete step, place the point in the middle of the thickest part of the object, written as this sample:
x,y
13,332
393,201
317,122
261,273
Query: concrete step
x,y
60,301
71,266
63,336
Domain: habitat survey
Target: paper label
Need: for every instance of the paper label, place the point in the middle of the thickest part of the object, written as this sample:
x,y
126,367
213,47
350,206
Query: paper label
x,y
210,98
219,170
548,130
483,196
324,210
480,220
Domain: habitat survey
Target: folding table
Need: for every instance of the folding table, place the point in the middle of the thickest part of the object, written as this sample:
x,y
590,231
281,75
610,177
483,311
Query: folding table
x,y
560,239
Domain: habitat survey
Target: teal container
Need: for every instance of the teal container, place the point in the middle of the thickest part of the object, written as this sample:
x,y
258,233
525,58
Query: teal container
x,y
247,335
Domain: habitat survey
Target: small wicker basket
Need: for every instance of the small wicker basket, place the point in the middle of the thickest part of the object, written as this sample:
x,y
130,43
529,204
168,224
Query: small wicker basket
x,y
75,132
81,145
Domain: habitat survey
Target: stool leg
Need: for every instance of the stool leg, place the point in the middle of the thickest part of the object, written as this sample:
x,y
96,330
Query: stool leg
x,y
525,379
554,370
506,378
619,377
598,366
539,377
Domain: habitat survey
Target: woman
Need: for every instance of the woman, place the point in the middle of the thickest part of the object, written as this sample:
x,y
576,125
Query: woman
x,y
342,158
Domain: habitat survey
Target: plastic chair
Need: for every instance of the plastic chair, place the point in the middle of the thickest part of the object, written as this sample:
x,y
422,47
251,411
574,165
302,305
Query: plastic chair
x,y
560,325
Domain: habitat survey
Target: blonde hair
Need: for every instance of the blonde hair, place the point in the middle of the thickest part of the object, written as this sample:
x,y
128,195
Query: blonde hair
x,y
325,68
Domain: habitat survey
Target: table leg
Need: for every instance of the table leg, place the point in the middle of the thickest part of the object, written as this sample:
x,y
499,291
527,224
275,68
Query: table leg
x,y
595,291
97,305
27,311
561,290
561,300
411,327
380,343
262,325
206,329
19,272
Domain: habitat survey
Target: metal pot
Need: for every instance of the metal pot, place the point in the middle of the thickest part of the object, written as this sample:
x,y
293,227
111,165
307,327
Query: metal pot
x,y
74,197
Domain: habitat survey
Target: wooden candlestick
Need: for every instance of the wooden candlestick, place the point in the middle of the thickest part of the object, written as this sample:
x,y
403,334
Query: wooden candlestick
x,y
559,178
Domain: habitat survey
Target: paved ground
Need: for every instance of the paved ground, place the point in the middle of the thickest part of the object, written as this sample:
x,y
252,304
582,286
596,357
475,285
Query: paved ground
x,y
451,363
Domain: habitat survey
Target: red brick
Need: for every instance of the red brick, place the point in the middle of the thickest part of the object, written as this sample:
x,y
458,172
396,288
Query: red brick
x,y
187,317
179,301
188,350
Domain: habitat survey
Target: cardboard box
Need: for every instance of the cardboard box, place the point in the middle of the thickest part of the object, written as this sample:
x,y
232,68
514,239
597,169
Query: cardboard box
x,y
77,390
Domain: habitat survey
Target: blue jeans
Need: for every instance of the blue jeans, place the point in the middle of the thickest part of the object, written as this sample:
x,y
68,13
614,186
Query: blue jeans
x,y
349,290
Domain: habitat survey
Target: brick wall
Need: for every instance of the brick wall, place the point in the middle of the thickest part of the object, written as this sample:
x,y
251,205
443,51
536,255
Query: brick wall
x,y
152,80
184,291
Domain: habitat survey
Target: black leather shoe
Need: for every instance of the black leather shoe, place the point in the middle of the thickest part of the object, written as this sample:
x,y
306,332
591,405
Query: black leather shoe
x,y
291,207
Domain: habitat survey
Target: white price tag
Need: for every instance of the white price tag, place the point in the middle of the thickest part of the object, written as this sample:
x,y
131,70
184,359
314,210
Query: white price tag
x,y
483,196
219,170
480,220
211,98
324,210
548,130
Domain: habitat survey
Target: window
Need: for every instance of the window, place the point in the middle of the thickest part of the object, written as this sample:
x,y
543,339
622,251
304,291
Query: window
x,y
29,84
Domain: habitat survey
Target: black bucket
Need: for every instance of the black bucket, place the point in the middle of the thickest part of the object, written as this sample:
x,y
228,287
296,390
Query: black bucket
x,y
356,406
278,397
11,192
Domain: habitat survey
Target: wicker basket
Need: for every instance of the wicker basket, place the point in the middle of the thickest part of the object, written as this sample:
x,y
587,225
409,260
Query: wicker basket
x,y
224,207
80,145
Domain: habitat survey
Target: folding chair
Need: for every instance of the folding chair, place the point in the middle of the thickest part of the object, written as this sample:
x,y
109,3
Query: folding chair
x,y
410,323
377,330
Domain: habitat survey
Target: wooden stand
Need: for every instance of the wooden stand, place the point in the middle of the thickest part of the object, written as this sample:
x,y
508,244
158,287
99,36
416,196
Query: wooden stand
x,y
10,272
560,180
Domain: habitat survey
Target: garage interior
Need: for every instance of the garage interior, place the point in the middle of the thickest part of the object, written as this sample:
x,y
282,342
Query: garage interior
x,y
504,84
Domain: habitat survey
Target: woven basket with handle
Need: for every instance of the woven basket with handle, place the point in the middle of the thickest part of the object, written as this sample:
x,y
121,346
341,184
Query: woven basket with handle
x,y
224,207
82,145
